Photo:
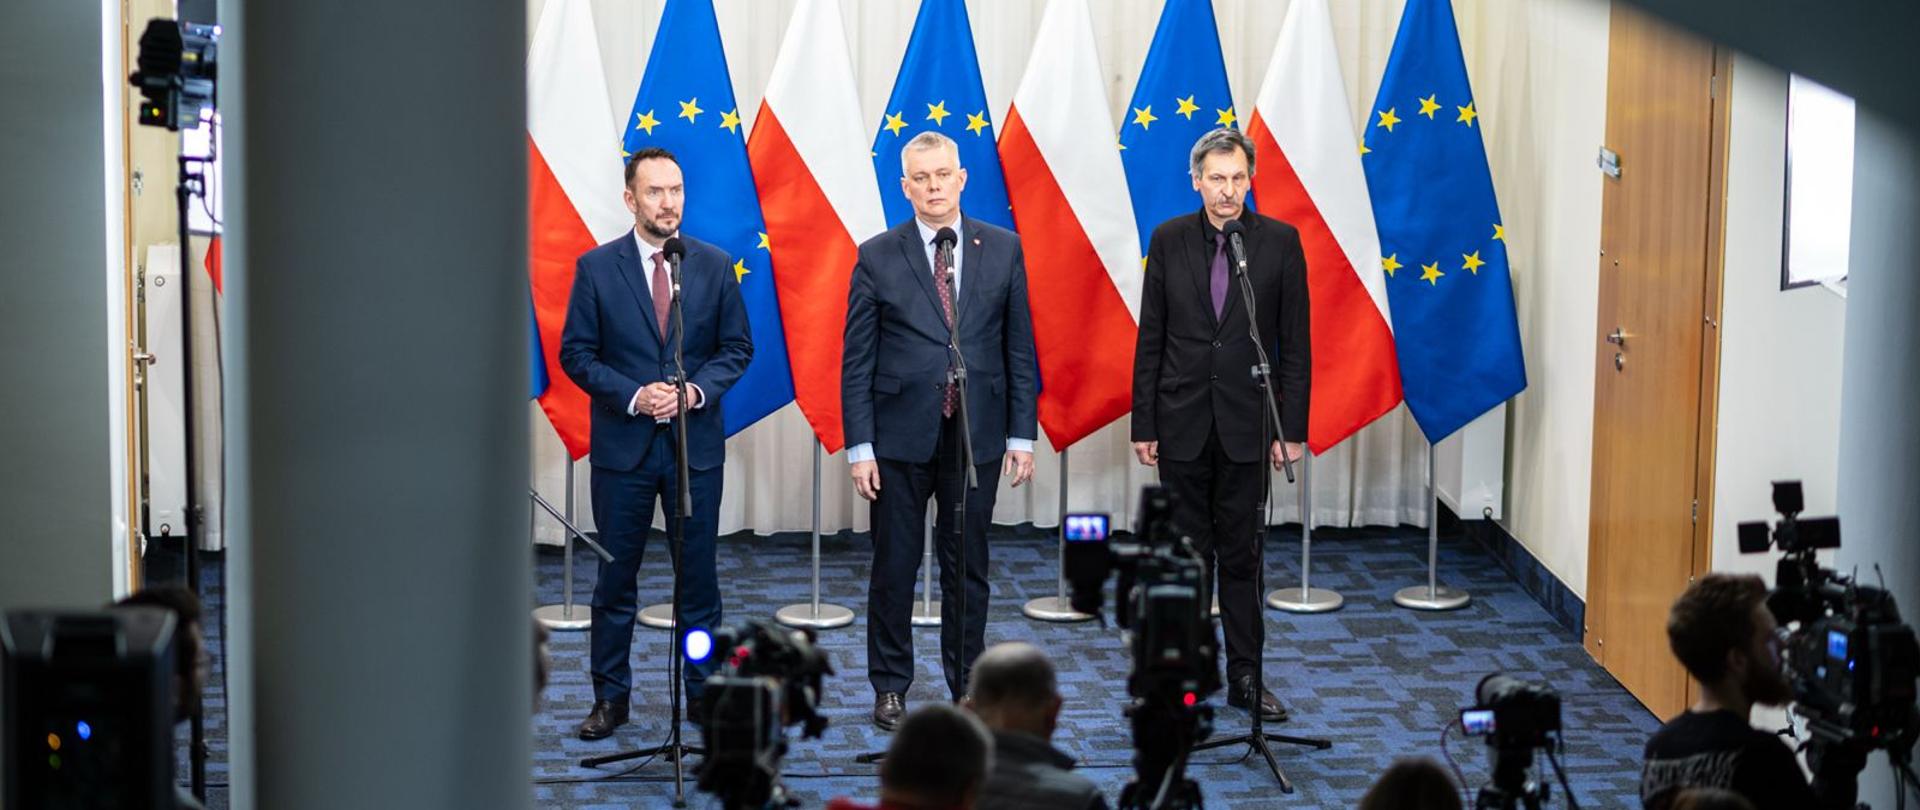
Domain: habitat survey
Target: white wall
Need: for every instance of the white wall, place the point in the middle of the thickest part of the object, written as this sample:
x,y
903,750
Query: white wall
x,y
1780,351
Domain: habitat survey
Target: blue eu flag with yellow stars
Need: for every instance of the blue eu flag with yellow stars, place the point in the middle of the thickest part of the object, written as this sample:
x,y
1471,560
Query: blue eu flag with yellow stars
x,y
1442,243
939,89
686,106
1182,94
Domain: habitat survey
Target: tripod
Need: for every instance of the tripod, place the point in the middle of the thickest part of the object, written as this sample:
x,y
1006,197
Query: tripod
x,y
674,750
1270,425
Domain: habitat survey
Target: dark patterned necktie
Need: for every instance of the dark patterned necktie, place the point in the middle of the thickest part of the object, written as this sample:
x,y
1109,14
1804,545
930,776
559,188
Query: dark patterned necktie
x,y
1219,282
662,292
941,267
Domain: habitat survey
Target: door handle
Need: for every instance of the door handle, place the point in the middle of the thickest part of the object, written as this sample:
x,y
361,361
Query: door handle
x,y
1618,338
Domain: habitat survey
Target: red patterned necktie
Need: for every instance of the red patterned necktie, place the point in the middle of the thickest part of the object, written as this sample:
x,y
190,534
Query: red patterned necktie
x,y
662,292
941,268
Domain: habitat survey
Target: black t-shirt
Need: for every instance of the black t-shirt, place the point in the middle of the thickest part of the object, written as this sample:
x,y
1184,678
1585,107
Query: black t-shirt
x,y
1719,749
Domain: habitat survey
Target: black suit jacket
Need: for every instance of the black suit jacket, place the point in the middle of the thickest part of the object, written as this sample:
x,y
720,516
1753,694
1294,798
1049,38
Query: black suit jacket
x,y
894,367
1191,370
611,347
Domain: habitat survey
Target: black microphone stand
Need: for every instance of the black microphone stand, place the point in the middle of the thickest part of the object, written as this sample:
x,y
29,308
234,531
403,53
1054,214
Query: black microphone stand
x,y
1270,425
674,750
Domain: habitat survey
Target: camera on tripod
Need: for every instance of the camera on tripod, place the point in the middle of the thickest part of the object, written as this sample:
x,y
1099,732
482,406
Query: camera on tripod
x,y
178,64
1851,662
1517,719
770,678
1159,600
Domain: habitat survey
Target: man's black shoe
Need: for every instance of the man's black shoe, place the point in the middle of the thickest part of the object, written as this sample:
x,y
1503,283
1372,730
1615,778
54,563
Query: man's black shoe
x,y
605,717
1240,696
887,709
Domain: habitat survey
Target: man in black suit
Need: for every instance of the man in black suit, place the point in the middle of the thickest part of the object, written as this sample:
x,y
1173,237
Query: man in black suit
x,y
1196,406
618,347
902,416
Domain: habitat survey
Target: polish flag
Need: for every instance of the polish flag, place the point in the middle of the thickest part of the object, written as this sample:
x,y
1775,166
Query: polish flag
x,y
818,194
1310,176
573,188
1070,204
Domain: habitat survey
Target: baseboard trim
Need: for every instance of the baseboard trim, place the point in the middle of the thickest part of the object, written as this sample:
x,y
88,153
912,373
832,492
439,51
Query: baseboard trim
x,y
1554,596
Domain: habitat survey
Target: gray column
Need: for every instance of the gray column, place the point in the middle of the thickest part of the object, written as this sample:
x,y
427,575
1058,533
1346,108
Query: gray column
x,y
379,299
1879,477
61,386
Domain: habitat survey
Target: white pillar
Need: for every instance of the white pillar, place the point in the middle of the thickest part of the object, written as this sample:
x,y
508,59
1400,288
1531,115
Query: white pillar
x,y
1879,436
377,294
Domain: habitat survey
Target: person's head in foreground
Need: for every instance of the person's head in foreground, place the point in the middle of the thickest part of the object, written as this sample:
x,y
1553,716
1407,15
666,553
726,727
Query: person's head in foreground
x,y
1412,784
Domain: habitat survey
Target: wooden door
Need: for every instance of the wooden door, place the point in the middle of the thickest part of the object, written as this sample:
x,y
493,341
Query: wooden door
x,y
1656,347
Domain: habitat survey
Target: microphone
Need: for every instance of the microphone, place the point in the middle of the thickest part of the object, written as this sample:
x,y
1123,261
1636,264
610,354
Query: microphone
x,y
943,249
675,250
1233,230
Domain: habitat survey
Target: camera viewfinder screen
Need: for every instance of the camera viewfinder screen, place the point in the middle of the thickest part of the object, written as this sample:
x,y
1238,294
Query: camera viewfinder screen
x,y
1477,721
1836,645
1086,528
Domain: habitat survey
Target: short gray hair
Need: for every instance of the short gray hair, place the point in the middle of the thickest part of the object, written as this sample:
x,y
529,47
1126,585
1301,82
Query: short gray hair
x,y
938,755
928,139
1013,674
1224,139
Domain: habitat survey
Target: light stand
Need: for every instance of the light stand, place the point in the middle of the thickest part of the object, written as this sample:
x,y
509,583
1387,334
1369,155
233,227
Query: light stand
x,y
561,616
1057,608
1270,424
1432,596
675,751
814,615
1306,598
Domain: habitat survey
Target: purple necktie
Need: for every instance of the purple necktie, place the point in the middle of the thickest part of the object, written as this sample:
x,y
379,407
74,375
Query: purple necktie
x,y
941,268
1219,283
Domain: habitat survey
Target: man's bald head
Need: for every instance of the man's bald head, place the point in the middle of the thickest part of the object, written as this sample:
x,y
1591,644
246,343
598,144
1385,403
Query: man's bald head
x,y
1014,689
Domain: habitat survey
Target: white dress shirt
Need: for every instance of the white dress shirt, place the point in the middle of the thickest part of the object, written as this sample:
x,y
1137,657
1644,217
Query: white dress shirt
x,y
696,398
864,451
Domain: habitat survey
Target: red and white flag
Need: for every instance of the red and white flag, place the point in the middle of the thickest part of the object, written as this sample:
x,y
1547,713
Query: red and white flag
x,y
817,191
573,188
1070,203
1310,176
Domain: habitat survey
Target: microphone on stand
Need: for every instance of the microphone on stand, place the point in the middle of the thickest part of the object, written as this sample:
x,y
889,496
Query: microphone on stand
x,y
943,249
675,250
1238,248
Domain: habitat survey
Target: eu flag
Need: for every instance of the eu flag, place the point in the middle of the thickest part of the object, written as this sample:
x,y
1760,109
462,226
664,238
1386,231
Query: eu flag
x,y
1182,94
1453,317
939,89
686,105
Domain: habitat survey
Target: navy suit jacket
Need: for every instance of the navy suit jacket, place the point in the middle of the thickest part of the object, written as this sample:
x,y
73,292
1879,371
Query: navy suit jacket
x,y
611,347
894,368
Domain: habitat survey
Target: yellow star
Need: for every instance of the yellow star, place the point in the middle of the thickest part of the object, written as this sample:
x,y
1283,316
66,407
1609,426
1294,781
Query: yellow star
x,y
1144,116
1428,106
1499,232
895,123
1473,262
740,270
1388,119
690,110
1390,264
1364,150
730,121
1187,107
1466,114
647,122
1430,273
1226,117
764,244
937,113
977,122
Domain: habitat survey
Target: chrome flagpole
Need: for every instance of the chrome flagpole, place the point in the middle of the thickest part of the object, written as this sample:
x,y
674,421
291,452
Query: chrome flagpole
x,y
1058,607
925,612
565,616
1306,598
814,614
1432,596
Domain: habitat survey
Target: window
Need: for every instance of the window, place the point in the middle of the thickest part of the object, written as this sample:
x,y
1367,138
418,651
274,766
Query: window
x,y
1819,206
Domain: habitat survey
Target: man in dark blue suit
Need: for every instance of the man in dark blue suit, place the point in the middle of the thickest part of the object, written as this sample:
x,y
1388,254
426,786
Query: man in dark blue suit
x,y
618,347
901,410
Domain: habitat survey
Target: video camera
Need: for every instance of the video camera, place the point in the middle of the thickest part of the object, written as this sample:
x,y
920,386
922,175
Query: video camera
x,y
1516,718
178,64
1851,662
770,678
1160,600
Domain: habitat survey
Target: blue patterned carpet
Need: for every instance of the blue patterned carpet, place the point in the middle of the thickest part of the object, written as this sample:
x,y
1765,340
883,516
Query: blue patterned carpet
x,y
1379,681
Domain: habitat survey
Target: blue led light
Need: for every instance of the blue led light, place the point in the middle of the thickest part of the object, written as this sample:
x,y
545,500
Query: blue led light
x,y
85,730
699,645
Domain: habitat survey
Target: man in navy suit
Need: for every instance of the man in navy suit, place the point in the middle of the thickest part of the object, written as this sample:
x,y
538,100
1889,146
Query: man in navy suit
x,y
902,417
618,347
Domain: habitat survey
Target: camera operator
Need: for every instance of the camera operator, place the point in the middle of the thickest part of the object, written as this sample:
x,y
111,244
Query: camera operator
x,y
937,761
192,666
1722,632
1016,695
